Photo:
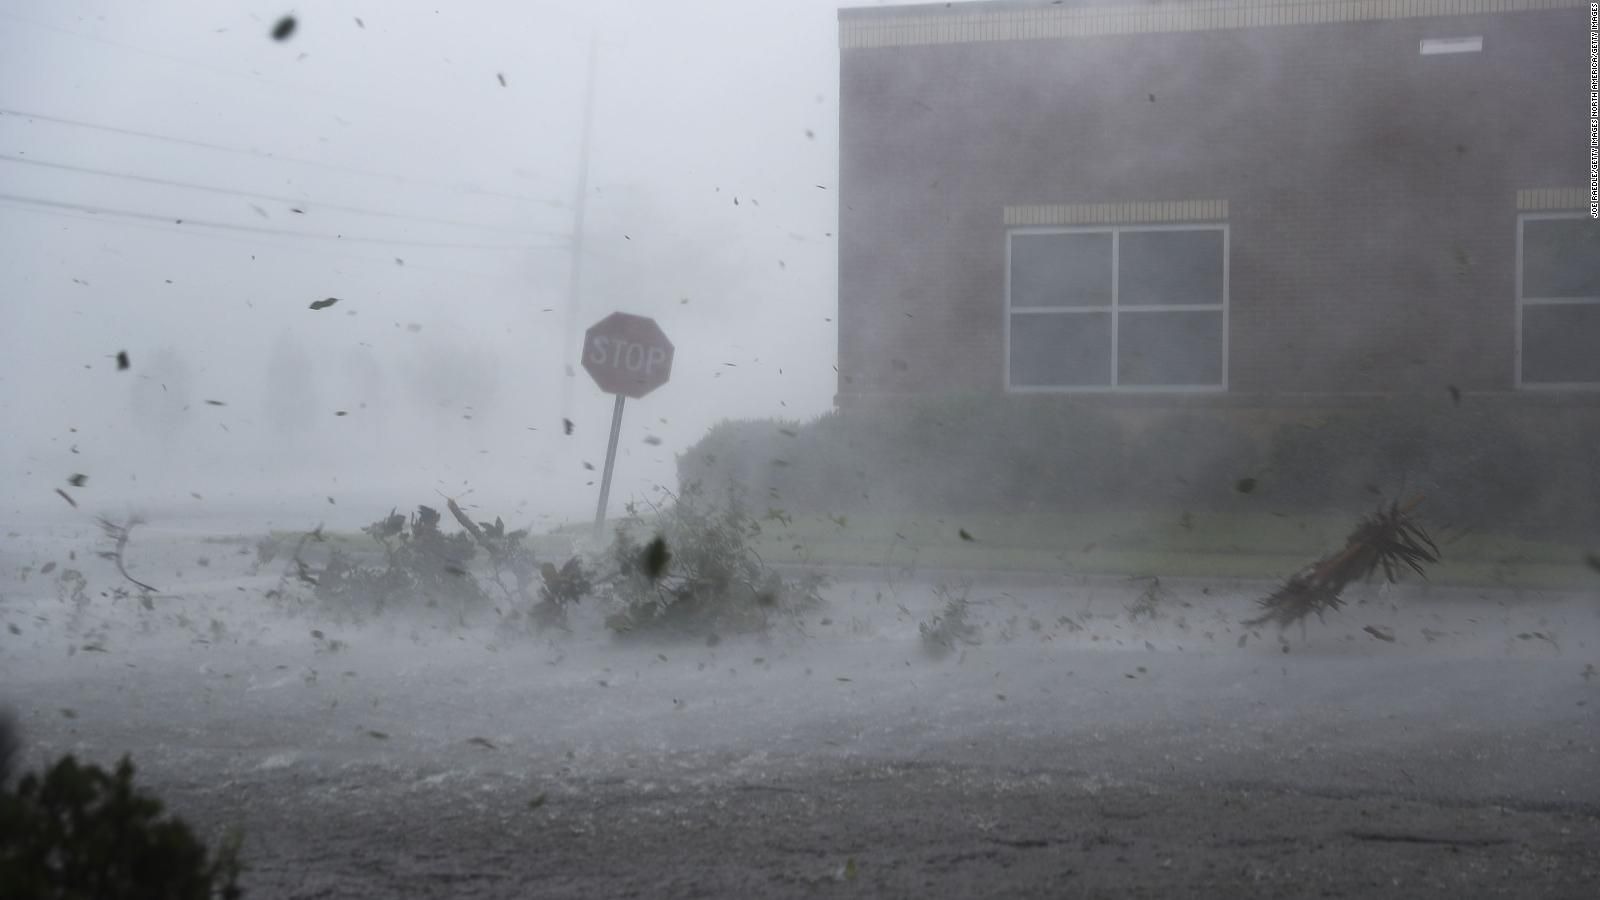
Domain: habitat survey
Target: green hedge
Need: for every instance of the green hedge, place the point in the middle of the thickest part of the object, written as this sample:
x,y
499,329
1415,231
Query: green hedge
x,y
1530,470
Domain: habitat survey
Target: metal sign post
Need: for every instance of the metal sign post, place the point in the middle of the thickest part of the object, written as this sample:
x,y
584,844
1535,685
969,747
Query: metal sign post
x,y
611,459
628,356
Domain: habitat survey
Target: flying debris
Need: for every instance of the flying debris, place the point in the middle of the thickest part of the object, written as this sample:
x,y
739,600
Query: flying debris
x,y
656,557
1455,395
1380,632
324,304
652,440
71,502
122,360
964,535
215,403
502,78
360,24
284,29
1245,485
1389,538
566,426
78,480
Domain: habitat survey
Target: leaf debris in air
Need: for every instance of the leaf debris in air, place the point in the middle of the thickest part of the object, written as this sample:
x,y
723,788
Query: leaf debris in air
x,y
122,360
284,29
566,425
1593,560
324,304
964,535
71,502
78,480
377,734
215,403
502,77
656,557
483,742
1379,632
1245,485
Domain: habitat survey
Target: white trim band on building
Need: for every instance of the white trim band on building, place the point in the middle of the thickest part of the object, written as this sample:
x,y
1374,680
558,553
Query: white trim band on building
x,y
1552,198
865,29
1117,213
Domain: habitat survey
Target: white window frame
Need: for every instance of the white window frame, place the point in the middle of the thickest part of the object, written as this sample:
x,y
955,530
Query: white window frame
x,y
1524,301
1116,310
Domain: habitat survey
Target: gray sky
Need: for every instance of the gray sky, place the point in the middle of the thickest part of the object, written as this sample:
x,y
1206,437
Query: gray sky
x,y
440,203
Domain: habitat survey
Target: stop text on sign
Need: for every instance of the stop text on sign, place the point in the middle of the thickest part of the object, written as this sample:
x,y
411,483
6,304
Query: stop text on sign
x,y
623,354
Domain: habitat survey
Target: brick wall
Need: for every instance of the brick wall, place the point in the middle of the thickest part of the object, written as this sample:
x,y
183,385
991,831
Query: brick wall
x,y
1371,190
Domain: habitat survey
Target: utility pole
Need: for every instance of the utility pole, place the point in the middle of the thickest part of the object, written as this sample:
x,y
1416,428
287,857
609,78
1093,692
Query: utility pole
x,y
579,204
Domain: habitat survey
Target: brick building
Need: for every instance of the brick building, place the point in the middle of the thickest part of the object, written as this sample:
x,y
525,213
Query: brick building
x,y
1248,203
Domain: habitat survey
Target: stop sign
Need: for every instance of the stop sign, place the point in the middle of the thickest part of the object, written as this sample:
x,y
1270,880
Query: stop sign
x,y
627,355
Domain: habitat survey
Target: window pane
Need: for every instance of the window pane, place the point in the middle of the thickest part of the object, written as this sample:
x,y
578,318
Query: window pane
x,y
1061,350
1560,258
1169,348
1061,269
1561,344
1168,268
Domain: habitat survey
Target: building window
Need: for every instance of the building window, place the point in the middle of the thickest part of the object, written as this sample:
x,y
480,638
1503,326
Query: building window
x,y
1099,309
1558,301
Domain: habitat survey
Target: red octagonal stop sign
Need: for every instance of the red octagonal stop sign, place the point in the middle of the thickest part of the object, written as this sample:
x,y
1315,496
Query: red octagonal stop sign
x,y
627,355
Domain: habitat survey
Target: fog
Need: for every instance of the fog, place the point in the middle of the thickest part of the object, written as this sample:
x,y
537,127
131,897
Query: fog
x,y
383,163
908,588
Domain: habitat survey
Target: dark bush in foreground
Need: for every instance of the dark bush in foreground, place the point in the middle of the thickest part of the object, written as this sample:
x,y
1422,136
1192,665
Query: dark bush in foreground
x,y
699,574
82,833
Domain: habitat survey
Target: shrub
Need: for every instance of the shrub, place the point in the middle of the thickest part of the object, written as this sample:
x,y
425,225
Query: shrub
x,y
1190,460
422,566
561,589
81,833
699,574
927,455
1477,468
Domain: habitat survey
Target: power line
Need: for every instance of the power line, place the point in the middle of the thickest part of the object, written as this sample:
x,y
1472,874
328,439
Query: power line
x,y
291,201
220,70
254,242
333,167
256,229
